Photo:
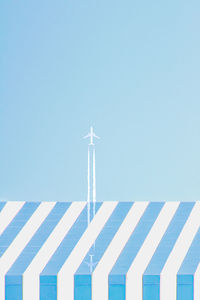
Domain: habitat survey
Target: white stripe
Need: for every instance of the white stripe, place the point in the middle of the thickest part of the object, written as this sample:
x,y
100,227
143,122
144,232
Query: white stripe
x,y
65,279
175,259
197,283
141,261
100,274
31,284
21,240
8,212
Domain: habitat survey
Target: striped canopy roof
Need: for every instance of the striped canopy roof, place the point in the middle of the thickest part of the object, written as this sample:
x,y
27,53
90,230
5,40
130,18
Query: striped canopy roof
x,y
132,251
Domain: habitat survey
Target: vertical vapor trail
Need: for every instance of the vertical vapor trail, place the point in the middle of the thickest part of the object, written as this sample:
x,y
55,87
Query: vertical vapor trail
x,y
94,177
88,198
94,186
91,263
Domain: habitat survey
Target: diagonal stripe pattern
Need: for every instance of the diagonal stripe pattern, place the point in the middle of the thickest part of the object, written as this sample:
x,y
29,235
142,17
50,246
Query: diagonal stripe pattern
x,y
140,250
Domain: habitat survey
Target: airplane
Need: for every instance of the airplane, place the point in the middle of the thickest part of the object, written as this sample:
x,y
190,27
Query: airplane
x,y
91,264
92,135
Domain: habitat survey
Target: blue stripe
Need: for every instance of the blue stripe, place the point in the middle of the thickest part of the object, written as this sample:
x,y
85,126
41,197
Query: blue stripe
x,y
13,278
82,280
117,276
151,277
2,204
48,277
185,276
16,225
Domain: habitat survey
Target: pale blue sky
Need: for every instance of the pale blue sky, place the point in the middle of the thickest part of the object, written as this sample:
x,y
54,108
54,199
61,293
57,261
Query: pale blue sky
x,y
129,68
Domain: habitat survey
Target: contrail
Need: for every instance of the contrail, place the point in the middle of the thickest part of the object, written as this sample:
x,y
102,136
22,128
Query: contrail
x,y
88,199
91,172
94,177
94,185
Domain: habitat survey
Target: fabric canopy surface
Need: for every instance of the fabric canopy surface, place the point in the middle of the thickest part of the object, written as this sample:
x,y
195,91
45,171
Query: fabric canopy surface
x,y
101,251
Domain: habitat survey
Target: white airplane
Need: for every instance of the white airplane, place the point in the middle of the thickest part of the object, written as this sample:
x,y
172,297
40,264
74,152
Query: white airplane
x,y
91,135
91,264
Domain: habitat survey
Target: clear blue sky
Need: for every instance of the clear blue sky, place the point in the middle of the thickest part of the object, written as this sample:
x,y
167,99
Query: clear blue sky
x,y
129,68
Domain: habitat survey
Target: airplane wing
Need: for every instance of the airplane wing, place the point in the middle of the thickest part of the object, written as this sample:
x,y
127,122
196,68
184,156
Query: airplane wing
x,y
91,264
87,136
96,136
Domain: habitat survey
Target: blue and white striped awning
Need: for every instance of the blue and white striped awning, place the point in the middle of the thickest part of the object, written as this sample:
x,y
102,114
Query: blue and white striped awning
x,y
132,251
